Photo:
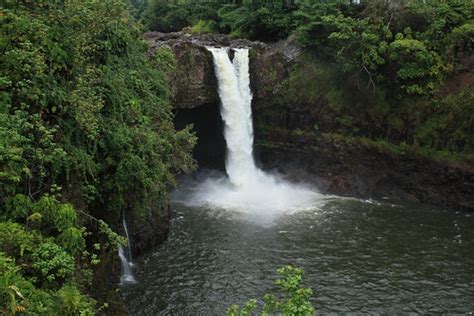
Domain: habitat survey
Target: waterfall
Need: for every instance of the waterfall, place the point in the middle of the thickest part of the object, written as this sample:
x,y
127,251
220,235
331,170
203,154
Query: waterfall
x,y
127,264
246,188
129,244
236,98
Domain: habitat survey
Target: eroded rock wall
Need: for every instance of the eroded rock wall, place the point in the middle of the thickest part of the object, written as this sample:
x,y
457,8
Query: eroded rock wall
x,y
193,83
355,169
335,166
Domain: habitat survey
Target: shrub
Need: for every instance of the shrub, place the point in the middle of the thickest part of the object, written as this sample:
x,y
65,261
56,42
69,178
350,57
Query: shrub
x,y
52,265
294,300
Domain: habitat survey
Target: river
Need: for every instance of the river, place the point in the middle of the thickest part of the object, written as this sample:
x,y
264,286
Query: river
x,y
358,256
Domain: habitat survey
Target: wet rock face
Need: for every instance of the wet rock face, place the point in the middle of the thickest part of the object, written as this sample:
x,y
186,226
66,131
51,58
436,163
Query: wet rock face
x,y
210,150
194,84
269,66
333,166
148,229
342,168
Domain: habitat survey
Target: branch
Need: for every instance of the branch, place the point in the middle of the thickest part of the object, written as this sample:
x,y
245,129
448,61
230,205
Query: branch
x,y
371,82
89,216
390,21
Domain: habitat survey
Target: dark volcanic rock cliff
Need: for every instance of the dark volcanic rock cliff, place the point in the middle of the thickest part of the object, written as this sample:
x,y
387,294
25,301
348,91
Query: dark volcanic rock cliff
x,y
194,84
335,166
353,168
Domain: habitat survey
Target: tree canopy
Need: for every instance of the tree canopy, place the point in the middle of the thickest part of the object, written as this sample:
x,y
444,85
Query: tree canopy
x,y
85,128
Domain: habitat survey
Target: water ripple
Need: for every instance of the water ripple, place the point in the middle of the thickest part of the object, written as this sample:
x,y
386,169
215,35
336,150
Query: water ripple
x,y
359,258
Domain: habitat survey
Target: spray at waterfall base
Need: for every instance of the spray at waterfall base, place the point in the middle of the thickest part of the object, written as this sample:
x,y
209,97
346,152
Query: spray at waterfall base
x,y
127,276
246,188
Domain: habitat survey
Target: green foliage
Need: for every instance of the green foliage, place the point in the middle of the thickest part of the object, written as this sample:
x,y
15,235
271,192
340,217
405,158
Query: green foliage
x,y
418,69
374,71
451,125
246,309
72,302
113,239
257,20
41,253
264,20
137,7
16,241
362,43
72,240
9,293
168,16
461,39
19,296
202,27
52,265
357,45
310,80
438,19
49,217
294,299
86,134
83,105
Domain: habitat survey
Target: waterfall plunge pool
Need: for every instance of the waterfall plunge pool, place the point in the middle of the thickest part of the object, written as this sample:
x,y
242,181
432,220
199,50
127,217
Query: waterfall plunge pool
x,y
358,256
231,232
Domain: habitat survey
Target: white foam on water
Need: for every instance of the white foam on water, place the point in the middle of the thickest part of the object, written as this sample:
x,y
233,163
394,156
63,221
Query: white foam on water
x,y
246,188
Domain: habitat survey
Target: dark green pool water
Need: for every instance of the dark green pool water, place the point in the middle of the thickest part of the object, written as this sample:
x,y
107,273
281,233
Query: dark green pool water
x,y
358,256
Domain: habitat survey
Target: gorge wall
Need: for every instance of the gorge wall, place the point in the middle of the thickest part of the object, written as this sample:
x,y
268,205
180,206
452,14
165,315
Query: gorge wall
x,y
335,165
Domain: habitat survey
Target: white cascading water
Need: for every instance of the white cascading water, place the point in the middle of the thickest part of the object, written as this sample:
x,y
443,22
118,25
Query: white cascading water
x,y
127,273
129,245
236,98
247,188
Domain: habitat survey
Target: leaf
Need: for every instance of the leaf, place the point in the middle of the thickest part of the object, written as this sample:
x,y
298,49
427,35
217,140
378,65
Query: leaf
x,y
17,292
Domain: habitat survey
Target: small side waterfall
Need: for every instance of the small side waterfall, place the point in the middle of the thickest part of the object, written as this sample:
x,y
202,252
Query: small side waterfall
x,y
129,244
127,264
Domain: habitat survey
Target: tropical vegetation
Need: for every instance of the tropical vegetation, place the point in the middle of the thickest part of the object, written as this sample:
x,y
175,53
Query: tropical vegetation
x,y
397,71
292,299
86,135
86,131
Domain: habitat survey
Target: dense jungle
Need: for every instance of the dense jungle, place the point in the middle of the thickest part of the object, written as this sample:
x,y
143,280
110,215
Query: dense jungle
x,y
108,106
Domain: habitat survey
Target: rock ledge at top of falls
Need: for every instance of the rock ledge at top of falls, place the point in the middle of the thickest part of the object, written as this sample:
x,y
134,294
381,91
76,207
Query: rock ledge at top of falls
x,y
193,83
157,39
